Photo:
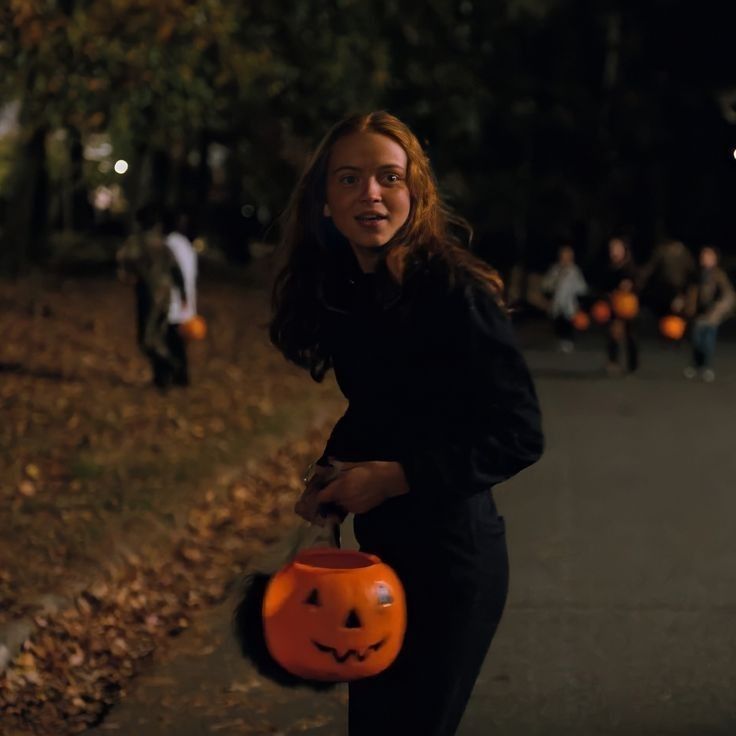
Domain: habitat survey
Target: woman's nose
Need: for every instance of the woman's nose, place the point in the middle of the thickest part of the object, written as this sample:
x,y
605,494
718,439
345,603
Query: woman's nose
x,y
372,189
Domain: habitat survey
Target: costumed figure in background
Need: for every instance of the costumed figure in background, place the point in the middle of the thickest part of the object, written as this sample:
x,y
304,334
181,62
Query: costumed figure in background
x,y
183,303
145,261
564,284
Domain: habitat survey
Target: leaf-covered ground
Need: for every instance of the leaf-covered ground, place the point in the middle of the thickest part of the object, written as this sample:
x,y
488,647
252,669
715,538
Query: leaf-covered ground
x,y
96,466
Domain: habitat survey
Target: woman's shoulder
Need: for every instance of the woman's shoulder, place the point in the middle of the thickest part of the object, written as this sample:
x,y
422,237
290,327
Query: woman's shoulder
x,y
456,297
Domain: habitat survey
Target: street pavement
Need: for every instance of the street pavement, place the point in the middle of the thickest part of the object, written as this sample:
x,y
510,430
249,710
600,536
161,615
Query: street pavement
x,y
621,617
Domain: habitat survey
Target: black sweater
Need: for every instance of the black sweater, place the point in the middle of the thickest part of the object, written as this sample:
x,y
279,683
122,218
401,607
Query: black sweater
x,y
435,381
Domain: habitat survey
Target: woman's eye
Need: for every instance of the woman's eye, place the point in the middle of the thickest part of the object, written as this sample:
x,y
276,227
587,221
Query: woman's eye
x,y
392,178
348,179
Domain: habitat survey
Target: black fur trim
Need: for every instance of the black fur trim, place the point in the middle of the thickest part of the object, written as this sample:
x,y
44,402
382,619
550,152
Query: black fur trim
x,y
248,630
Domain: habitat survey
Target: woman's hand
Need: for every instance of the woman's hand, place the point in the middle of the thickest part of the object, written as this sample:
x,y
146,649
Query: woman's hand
x,y
317,477
360,487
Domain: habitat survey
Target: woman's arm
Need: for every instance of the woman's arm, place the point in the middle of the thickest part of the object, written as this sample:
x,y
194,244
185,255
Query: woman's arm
x,y
724,304
473,420
483,424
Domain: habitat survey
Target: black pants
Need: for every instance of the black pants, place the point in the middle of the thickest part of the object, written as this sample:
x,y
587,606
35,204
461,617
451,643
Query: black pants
x,y
172,371
623,332
454,604
143,303
564,328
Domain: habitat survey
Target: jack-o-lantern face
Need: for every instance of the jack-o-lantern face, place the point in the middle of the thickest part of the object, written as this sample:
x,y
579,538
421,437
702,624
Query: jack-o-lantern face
x,y
334,615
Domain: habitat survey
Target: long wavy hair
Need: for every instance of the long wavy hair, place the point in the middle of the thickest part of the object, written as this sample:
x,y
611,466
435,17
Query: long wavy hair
x,y
431,232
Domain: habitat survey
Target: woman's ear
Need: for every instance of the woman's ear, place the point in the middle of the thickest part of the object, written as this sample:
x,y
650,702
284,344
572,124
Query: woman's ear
x,y
326,210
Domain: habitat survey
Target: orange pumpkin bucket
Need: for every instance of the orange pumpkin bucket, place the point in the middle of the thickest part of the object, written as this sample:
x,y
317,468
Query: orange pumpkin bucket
x,y
672,327
581,321
601,312
334,615
194,328
625,304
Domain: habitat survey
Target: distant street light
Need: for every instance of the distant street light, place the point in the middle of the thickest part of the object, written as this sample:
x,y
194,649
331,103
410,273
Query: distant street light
x,y
121,166
734,152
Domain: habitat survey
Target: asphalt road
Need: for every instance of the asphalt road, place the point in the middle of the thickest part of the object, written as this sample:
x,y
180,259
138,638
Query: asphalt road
x,y
622,611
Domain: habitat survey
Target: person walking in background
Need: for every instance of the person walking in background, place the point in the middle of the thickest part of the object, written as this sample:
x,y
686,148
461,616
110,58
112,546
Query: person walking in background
x,y
564,284
441,406
620,276
665,278
145,261
183,303
709,301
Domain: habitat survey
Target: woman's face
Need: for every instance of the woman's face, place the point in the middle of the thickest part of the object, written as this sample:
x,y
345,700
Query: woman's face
x,y
367,195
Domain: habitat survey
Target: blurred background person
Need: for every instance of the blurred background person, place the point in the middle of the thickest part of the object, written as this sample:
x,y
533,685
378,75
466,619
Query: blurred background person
x,y
563,284
145,261
620,277
710,299
183,302
665,278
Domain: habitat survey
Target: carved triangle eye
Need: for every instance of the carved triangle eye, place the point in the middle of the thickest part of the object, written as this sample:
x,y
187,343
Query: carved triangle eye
x,y
313,598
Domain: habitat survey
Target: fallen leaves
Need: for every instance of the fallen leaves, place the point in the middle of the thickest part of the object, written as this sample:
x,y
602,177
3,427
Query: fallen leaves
x,y
76,664
93,446
99,458
26,488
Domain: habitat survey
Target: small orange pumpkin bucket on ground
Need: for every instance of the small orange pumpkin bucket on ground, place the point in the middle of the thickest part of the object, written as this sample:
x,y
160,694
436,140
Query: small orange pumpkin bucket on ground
x,y
672,327
581,321
601,312
334,615
625,304
194,328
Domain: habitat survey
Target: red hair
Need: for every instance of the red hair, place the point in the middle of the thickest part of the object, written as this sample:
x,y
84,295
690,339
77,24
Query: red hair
x,y
426,234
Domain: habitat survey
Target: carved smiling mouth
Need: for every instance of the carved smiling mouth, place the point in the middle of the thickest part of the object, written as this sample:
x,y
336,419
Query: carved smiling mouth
x,y
342,658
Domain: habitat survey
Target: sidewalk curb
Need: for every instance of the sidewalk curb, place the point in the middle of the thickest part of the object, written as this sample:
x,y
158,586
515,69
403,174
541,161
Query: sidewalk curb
x,y
15,633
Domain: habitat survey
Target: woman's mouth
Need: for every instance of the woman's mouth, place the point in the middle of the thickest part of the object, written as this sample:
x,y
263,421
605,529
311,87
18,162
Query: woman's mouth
x,y
371,221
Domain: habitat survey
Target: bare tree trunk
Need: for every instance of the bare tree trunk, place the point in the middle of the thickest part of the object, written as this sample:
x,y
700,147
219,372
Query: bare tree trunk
x,y
81,209
27,218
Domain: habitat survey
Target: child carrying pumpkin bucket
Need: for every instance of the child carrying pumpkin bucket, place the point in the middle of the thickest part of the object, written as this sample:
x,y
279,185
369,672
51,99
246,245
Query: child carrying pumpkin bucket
x,y
441,406
183,305
620,284
144,260
564,283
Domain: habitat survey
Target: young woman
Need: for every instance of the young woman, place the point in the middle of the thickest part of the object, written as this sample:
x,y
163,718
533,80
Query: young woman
x,y
441,405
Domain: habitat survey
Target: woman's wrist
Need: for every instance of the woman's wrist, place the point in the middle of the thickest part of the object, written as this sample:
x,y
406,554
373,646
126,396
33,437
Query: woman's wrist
x,y
397,485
